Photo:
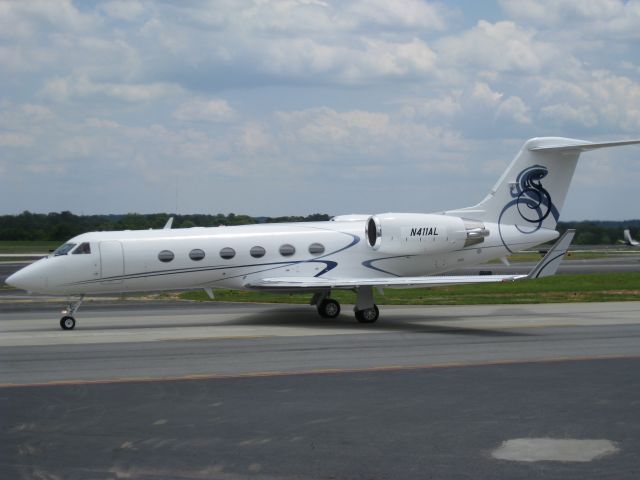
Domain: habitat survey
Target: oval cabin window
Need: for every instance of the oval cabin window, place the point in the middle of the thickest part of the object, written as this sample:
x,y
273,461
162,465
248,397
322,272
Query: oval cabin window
x,y
257,251
287,250
227,253
196,254
316,248
165,256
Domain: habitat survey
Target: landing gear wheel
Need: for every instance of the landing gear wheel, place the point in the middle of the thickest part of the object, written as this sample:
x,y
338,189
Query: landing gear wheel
x,y
67,323
368,315
329,308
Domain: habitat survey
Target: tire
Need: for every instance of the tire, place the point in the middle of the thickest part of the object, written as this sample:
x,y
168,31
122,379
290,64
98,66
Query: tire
x,y
368,315
329,308
67,323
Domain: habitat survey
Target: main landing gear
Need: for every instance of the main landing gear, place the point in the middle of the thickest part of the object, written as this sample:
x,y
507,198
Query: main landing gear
x,y
365,310
67,322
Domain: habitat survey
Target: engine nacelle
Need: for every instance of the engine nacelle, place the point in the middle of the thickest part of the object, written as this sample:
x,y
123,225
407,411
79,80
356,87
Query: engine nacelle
x,y
416,233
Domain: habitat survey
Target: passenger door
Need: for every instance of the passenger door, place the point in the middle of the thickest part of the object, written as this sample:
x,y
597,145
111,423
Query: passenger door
x,y
112,262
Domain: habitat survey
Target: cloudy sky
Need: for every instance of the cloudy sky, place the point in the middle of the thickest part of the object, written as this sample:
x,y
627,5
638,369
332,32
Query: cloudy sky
x,y
298,106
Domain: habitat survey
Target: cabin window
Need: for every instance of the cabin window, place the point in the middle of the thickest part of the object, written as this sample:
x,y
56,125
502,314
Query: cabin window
x,y
257,251
227,253
196,254
83,249
165,256
287,250
64,249
316,248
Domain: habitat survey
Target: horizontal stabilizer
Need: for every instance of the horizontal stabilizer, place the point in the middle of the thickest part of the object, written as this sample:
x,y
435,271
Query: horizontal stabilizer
x,y
551,261
560,144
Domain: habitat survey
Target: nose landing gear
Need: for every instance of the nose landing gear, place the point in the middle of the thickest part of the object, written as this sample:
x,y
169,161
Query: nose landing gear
x,y
67,322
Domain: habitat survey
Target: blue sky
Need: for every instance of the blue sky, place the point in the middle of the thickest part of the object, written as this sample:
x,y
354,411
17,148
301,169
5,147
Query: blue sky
x,y
301,106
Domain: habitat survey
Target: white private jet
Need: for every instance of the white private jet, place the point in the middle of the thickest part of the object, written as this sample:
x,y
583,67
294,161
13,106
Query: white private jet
x,y
356,252
629,240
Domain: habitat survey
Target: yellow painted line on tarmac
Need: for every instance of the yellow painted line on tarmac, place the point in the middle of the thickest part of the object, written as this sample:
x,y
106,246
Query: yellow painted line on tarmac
x,y
324,371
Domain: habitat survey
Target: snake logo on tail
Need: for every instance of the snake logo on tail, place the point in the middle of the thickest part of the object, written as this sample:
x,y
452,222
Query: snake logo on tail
x,y
531,200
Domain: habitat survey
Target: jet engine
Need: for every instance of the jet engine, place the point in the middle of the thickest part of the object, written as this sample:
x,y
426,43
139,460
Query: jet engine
x,y
416,234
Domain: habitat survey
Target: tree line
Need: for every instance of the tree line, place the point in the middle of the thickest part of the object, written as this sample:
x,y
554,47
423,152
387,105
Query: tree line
x,y
64,225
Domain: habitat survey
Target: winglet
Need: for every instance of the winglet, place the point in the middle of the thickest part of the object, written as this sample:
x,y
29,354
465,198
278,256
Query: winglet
x,y
551,261
167,226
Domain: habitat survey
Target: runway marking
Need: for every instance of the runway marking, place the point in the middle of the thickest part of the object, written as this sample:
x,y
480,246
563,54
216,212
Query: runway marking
x,y
327,371
554,450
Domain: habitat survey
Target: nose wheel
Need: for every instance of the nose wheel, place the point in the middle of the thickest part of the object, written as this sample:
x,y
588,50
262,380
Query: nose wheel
x,y
67,322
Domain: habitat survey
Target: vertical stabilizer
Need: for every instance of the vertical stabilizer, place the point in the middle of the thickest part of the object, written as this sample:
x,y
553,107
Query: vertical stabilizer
x,y
628,239
532,191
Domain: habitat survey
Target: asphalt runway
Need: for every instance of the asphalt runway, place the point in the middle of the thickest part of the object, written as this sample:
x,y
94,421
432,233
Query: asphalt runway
x,y
187,390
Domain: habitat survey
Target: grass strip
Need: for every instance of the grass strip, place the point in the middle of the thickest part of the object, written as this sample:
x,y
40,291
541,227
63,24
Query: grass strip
x,y
14,247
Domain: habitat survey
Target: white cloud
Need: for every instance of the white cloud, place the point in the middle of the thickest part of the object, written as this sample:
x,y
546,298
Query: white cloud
x,y
600,96
514,108
123,10
501,46
61,89
322,125
204,110
37,113
15,139
510,108
76,147
22,19
483,93
364,61
564,114
398,14
615,18
438,108
148,94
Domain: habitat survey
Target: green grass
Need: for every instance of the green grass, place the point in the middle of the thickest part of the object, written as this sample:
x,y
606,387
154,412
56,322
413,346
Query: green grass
x,y
560,288
7,246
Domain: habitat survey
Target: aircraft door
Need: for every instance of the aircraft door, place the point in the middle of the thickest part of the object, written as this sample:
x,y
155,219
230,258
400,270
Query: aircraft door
x,y
112,262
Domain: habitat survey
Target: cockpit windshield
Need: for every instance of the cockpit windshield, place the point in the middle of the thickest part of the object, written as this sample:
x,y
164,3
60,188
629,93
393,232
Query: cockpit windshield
x,y
83,249
63,249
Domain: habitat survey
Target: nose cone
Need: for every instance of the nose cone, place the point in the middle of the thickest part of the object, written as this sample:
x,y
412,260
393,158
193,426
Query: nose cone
x,y
15,280
19,279
27,278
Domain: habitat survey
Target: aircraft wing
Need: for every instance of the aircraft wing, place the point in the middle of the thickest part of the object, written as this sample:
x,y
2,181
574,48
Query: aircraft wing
x,y
386,282
545,267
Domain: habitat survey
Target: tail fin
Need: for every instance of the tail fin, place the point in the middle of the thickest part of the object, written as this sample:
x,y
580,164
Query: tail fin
x,y
532,191
629,239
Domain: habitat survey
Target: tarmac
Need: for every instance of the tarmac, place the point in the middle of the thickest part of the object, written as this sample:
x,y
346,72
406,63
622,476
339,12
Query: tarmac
x,y
220,391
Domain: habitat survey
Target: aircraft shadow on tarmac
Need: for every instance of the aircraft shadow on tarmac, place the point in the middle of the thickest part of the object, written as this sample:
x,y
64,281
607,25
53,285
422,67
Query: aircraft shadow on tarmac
x,y
304,318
